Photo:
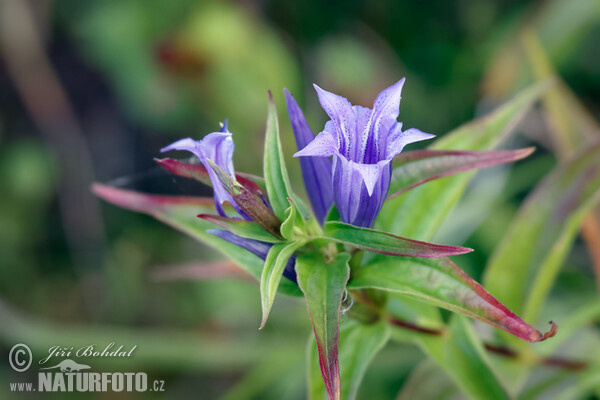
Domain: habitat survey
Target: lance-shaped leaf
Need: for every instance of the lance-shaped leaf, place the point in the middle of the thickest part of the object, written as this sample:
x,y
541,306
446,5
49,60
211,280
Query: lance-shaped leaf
x,y
323,284
241,227
271,275
386,243
248,202
523,268
415,168
359,343
276,175
419,213
199,173
316,171
440,282
180,213
293,222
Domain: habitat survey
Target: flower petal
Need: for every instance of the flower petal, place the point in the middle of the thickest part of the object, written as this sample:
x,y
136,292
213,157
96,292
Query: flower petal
x,y
356,204
324,145
385,112
187,144
399,139
224,126
315,171
341,113
387,103
217,146
371,173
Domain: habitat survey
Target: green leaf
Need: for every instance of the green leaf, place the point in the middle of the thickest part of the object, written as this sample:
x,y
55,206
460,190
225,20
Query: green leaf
x,y
293,223
272,273
180,213
415,168
359,343
323,283
571,128
460,353
276,175
241,227
440,282
525,264
386,243
419,213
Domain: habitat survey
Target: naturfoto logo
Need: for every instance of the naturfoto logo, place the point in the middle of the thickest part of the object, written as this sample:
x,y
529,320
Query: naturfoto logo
x,y
68,375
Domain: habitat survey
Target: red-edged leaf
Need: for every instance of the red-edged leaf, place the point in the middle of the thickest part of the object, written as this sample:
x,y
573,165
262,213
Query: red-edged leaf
x,y
387,243
200,271
415,168
147,203
241,227
323,284
199,173
186,170
440,282
180,213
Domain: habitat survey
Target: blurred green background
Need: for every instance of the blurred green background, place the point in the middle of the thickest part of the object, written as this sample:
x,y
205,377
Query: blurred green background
x,y
91,90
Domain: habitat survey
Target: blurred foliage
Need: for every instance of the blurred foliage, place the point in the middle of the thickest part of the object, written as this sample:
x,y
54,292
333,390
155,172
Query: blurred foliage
x,y
140,74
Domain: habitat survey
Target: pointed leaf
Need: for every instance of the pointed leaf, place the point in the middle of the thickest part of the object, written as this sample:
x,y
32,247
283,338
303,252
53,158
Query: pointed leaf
x,y
419,213
386,243
186,170
241,227
440,282
359,344
292,221
199,173
248,202
276,176
525,264
323,284
271,275
180,213
415,168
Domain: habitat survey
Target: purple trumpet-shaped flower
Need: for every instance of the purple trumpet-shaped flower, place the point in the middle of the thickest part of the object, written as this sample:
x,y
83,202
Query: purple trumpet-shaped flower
x,y
315,171
363,143
256,247
218,147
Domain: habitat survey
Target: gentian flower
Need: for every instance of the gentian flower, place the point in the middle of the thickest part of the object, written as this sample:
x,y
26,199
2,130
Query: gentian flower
x,y
363,143
218,147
